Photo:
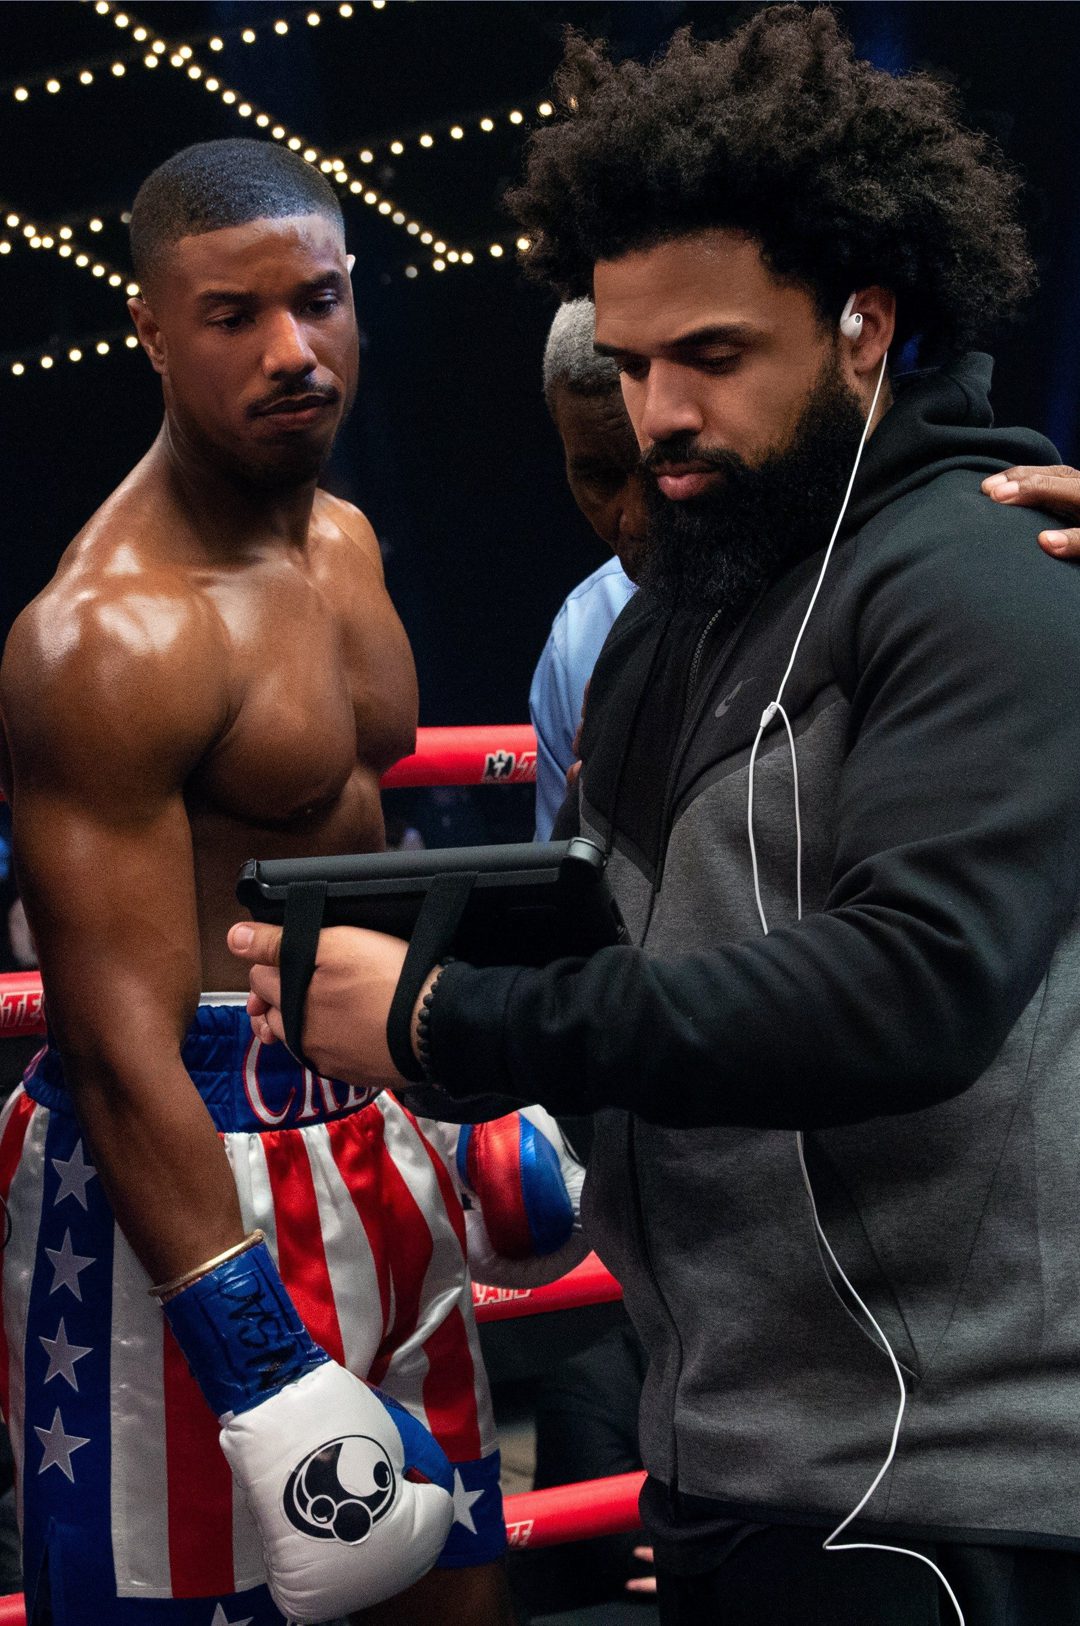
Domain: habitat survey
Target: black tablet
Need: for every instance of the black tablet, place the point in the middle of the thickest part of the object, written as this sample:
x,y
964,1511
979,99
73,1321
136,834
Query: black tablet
x,y
517,904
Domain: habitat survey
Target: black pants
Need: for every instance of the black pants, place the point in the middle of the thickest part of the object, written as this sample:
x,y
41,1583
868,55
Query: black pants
x,y
779,1576
586,1428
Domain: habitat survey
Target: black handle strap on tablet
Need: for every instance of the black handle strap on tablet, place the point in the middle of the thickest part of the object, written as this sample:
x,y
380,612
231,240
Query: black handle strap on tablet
x,y
432,939
304,904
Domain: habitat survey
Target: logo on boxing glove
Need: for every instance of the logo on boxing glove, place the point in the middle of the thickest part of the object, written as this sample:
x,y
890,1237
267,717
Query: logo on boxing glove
x,y
340,1491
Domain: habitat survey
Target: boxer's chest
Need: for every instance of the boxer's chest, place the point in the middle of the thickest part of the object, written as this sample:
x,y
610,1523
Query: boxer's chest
x,y
321,693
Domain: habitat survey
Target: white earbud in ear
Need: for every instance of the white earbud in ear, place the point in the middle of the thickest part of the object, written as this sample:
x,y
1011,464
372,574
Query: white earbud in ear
x,y
850,321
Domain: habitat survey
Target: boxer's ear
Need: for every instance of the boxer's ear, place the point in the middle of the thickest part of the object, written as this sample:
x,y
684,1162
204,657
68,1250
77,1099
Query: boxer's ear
x,y
146,326
350,261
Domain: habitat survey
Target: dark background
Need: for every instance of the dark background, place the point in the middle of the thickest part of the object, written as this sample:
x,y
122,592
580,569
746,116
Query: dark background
x,y
449,450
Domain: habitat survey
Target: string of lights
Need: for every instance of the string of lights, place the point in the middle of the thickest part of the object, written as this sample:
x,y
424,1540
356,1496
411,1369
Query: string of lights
x,y
278,23
425,137
17,233
150,51
182,58
51,358
60,240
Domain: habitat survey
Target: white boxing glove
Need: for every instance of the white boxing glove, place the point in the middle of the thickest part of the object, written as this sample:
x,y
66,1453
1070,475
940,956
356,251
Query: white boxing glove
x,y
352,1497
521,1186
342,1525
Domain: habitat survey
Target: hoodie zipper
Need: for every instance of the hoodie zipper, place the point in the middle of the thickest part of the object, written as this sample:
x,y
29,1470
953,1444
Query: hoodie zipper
x,y
631,1123
685,730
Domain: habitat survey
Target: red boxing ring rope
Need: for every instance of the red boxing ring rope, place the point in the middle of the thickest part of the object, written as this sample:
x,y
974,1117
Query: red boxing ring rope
x,y
486,754
22,1011
592,1507
477,754
587,1283
543,1518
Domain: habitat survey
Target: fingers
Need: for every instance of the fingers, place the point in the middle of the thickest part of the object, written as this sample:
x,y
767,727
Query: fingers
x,y
643,1583
1024,471
256,944
266,985
266,1023
260,947
1062,544
1056,488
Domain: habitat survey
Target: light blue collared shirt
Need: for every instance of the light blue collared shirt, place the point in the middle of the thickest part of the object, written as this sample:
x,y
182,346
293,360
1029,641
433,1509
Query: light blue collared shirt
x,y
558,686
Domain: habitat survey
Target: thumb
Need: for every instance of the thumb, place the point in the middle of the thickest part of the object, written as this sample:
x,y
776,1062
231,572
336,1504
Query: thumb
x,y
255,943
1062,544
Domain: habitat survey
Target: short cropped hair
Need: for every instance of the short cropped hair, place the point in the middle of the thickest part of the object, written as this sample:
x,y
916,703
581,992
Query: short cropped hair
x,y
842,174
222,183
569,356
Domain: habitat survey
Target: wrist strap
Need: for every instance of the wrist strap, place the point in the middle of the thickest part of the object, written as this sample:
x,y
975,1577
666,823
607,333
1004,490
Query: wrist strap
x,y
304,904
240,1333
431,941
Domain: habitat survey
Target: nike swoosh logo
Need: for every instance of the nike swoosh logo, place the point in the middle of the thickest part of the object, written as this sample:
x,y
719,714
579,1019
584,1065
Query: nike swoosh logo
x,y
726,702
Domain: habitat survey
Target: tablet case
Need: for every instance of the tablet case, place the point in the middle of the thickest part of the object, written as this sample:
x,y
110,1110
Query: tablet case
x,y
516,904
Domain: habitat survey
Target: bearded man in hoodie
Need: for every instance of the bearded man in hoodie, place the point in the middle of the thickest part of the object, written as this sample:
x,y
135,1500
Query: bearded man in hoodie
x,y
850,1002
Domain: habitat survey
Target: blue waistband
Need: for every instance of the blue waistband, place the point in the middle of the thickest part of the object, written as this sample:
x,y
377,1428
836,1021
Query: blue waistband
x,y
244,1085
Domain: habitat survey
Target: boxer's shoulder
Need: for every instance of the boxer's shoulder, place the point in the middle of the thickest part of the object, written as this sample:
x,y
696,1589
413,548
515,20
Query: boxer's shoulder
x,y
343,522
120,648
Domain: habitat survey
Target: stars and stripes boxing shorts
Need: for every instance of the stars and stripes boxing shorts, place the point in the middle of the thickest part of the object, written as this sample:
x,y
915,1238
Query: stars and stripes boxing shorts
x,y
125,1498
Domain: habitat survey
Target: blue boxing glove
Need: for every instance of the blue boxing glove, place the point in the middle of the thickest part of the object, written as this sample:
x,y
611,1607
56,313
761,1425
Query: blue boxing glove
x,y
352,1496
521,1186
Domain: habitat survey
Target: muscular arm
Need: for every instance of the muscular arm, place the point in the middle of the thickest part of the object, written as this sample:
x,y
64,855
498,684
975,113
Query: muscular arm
x,y
108,703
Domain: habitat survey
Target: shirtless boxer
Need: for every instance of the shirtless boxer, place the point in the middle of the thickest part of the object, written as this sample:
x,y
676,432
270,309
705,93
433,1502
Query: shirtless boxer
x,y
217,599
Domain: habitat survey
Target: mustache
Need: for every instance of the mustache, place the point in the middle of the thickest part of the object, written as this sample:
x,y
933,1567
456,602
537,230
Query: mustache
x,y
680,449
310,392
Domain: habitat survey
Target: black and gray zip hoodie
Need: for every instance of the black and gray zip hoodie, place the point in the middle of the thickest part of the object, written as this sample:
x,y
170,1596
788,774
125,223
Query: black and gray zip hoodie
x,y
920,1024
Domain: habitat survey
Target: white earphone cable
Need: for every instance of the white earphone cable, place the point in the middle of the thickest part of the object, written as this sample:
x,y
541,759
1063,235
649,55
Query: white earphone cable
x,y
774,708
830,1543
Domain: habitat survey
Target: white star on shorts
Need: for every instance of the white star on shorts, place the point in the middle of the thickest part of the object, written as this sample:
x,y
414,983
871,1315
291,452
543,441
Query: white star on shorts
x,y
75,1176
222,1619
66,1265
58,1446
63,1355
463,1501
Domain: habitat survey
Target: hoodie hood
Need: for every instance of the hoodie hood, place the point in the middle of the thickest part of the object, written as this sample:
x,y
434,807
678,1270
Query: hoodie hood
x,y
941,419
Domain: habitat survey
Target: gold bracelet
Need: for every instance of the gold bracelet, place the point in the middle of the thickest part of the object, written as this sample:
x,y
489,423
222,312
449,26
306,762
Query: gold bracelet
x,y
169,1290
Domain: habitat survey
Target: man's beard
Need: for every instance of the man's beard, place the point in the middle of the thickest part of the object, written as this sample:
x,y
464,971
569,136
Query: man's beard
x,y
722,549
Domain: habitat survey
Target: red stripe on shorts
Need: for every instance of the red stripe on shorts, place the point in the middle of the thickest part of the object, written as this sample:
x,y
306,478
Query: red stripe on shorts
x,y
450,1390
408,1236
356,1147
200,1485
10,1152
450,1385
451,1200
300,1249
